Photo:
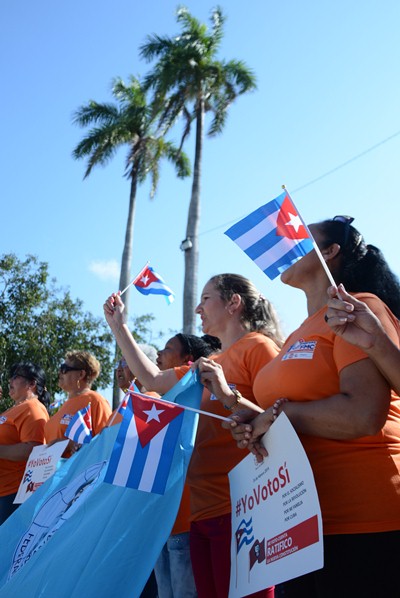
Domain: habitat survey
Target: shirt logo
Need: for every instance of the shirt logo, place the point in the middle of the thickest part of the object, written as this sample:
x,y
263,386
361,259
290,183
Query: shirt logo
x,y
3,419
300,350
66,419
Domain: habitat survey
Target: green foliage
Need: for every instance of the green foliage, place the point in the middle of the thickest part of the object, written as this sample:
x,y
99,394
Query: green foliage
x,y
130,122
40,322
188,81
188,77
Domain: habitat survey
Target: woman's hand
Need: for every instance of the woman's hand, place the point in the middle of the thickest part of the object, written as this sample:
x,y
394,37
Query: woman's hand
x,y
248,430
352,319
114,311
212,376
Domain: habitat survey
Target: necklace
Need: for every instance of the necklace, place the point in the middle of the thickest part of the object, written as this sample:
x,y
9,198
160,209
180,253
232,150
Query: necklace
x,y
80,392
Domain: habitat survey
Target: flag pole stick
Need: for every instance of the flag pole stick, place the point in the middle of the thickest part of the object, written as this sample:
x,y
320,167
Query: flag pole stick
x,y
115,413
317,249
161,400
133,280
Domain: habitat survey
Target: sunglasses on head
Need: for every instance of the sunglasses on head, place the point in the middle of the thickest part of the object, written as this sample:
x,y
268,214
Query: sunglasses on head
x,y
64,368
346,220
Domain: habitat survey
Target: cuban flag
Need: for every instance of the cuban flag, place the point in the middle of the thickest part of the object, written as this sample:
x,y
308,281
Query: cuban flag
x,y
80,426
145,445
274,236
150,283
244,534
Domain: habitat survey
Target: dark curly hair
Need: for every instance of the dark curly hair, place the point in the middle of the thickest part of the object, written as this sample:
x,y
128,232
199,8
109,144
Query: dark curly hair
x,y
198,346
360,267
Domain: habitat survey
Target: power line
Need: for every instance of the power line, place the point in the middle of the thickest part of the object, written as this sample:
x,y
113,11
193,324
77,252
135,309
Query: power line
x,y
319,178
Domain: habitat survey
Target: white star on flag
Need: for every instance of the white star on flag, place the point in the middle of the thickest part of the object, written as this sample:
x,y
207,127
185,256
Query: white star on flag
x,y
144,279
294,221
153,413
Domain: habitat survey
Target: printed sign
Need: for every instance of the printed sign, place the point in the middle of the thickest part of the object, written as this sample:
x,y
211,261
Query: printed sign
x,y
41,465
276,518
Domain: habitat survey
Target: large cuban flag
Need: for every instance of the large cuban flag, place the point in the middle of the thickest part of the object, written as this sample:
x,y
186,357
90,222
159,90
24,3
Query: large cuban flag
x,y
78,536
274,236
148,282
145,445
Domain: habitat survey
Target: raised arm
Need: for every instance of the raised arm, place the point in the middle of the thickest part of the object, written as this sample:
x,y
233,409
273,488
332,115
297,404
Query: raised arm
x,y
145,370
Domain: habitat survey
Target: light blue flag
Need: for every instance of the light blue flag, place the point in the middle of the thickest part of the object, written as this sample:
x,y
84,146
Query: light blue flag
x,y
78,536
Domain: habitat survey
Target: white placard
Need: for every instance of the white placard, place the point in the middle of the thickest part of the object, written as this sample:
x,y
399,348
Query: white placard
x,y
276,517
41,464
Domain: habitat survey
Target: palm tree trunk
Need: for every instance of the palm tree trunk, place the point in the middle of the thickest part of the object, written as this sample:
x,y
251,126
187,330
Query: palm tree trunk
x,y
125,274
192,232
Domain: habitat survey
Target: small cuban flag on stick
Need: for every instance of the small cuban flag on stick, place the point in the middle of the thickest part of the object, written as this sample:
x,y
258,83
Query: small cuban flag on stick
x,y
148,282
275,236
80,427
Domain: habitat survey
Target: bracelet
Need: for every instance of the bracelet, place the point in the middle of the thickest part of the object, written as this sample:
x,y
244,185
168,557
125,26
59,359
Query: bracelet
x,y
276,406
238,398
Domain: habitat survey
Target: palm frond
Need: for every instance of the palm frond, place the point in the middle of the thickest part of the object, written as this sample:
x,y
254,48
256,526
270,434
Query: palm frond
x,y
93,112
155,46
240,75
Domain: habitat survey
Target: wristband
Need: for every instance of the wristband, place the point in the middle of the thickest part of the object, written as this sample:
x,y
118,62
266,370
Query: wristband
x,y
276,406
238,398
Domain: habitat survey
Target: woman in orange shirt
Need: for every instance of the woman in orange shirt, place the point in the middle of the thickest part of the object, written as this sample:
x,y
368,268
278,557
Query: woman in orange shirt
x,y
21,428
347,417
233,310
76,376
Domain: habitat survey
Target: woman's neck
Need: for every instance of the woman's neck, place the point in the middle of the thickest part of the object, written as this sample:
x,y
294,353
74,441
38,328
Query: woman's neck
x,y
27,398
77,392
231,335
316,296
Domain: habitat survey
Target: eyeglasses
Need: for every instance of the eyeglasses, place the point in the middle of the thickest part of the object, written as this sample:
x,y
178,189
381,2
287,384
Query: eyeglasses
x,y
121,364
346,220
64,368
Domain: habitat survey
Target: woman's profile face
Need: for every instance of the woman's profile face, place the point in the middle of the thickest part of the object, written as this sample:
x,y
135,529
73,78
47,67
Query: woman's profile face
x,y
18,388
212,310
303,269
172,355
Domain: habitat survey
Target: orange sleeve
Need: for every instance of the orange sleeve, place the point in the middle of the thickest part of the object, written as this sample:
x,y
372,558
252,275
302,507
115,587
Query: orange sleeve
x,y
101,412
181,371
30,425
346,354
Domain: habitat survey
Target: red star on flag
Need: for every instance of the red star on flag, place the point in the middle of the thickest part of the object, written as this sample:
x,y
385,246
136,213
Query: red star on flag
x,y
151,416
289,223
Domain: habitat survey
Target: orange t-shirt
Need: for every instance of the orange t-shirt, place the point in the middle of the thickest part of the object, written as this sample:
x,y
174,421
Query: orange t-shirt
x,y
99,408
358,481
21,423
215,452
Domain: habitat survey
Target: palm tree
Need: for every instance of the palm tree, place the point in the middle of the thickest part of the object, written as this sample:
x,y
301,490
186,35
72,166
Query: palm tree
x,y
189,81
129,122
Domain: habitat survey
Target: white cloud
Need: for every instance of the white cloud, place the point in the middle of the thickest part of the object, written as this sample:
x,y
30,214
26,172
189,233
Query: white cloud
x,y
106,270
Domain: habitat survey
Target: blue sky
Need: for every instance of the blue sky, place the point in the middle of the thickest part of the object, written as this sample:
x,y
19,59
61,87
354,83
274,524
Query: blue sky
x,y
328,91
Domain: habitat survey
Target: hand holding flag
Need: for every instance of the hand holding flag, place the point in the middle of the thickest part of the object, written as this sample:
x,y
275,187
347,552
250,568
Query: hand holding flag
x,y
80,427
